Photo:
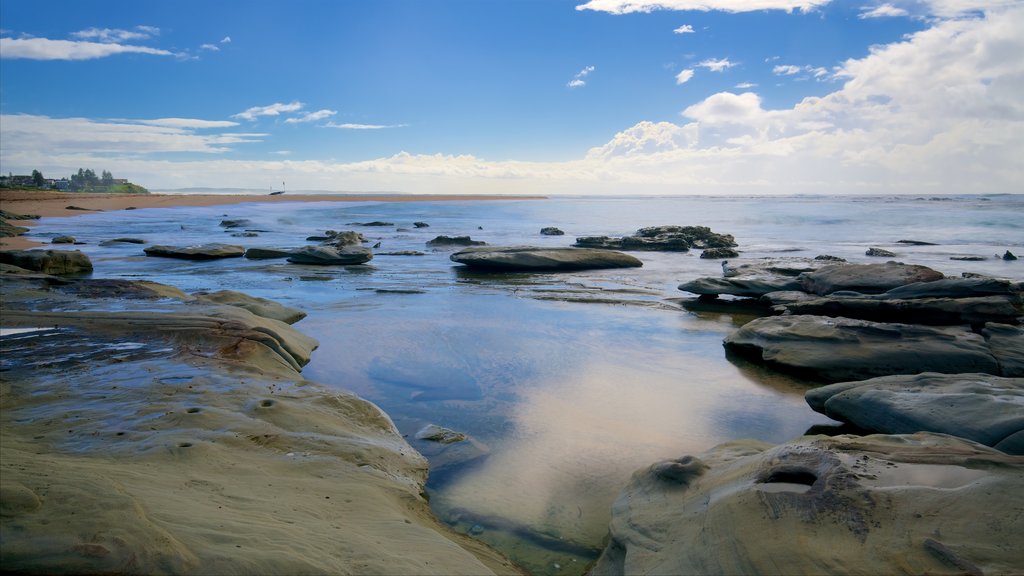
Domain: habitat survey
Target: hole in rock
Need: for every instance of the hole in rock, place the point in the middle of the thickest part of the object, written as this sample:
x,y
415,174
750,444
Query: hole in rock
x,y
266,403
805,477
185,445
192,410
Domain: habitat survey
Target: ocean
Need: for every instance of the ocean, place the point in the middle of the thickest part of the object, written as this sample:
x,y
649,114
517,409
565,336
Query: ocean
x,y
565,384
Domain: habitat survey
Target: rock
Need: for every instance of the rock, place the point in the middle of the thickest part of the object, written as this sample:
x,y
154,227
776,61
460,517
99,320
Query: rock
x,y
346,238
529,258
923,504
237,223
435,433
718,253
5,215
245,234
402,253
785,297
1007,345
259,306
932,311
63,240
839,349
442,241
8,230
120,289
879,252
374,223
829,258
56,262
968,258
661,238
956,288
326,255
746,287
200,252
267,253
1009,256
119,241
421,225
80,208
697,236
551,231
865,278
916,243
980,407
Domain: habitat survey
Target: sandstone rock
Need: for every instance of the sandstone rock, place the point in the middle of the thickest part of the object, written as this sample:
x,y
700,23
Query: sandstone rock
x,y
551,231
718,253
746,287
980,407
200,252
119,241
839,349
56,262
879,252
931,311
346,238
445,241
267,253
8,230
5,215
957,288
326,255
1007,345
921,504
528,258
865,278
435,433
259,306
63,240
661,238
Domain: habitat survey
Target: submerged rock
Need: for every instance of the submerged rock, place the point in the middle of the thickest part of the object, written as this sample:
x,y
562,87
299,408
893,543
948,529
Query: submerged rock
x,y
865,278
746,287
63,240
200,252
980,407
237,223
267,253
529,258
435,433
56,262
838,349
443,241
374,223
922,504
119,241
326,255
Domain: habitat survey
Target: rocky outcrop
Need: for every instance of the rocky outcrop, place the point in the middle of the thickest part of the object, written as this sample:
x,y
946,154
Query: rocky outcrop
x,y
450,241
551,231
328,256
980,407
661,238
236,223
439,434
375,223
719,253
200,252
930,311
420,225
267,253
65,239
865,278
259,306
56,262
529,258
922,504
121,241
839,349
879,252
745,287
1007,345
957,288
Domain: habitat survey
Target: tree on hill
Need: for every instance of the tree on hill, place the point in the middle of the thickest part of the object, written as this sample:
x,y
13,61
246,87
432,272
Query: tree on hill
x,y
38,180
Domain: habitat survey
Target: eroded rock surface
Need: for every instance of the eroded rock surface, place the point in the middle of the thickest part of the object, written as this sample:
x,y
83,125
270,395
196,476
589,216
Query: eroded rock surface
x,y
56,262
529,258
865,278
201,252
919,504
980,407
327,255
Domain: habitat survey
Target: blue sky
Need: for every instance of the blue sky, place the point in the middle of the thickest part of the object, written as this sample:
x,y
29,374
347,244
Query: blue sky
x,y
526,96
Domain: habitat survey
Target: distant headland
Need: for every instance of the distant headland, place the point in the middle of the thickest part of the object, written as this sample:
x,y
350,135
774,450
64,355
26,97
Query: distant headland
x,y
85,180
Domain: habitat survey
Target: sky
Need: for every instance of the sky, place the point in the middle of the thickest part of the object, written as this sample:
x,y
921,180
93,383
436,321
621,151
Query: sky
x,y
520,96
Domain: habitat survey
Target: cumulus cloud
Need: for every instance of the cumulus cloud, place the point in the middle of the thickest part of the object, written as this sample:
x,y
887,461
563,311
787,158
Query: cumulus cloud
x,y
717,65
684,76
46,49
630,6
786,70
882,11
311,116
684,29
275,109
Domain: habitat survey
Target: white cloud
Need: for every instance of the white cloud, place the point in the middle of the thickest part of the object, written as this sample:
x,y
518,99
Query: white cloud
x,y
745,86
647,138
46,49
311,116
211,47
226,40
275,109
684,29
717,65
631,6
882,11
786,70
116,35
684,76
578,80
350,126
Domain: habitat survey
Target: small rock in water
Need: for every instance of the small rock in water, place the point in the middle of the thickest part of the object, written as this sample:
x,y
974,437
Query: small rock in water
x,y
716,253
435,433
421,224
1009,256
476,529
63,240
551,231
879,252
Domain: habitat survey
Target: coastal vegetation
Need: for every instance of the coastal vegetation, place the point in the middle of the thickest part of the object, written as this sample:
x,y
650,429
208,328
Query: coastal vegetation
x,y
85,180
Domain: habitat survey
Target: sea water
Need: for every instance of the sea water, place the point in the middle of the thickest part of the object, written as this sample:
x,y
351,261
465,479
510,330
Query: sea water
x,y
565,384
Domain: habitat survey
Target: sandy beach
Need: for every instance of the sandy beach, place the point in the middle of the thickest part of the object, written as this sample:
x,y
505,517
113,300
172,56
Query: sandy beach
x,y
55,204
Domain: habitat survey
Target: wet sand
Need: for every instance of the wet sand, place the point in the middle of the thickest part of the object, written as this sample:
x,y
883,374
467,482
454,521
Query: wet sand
x,y
55,204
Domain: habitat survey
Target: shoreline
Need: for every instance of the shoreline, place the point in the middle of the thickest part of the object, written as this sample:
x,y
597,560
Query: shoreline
x,y
55,204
